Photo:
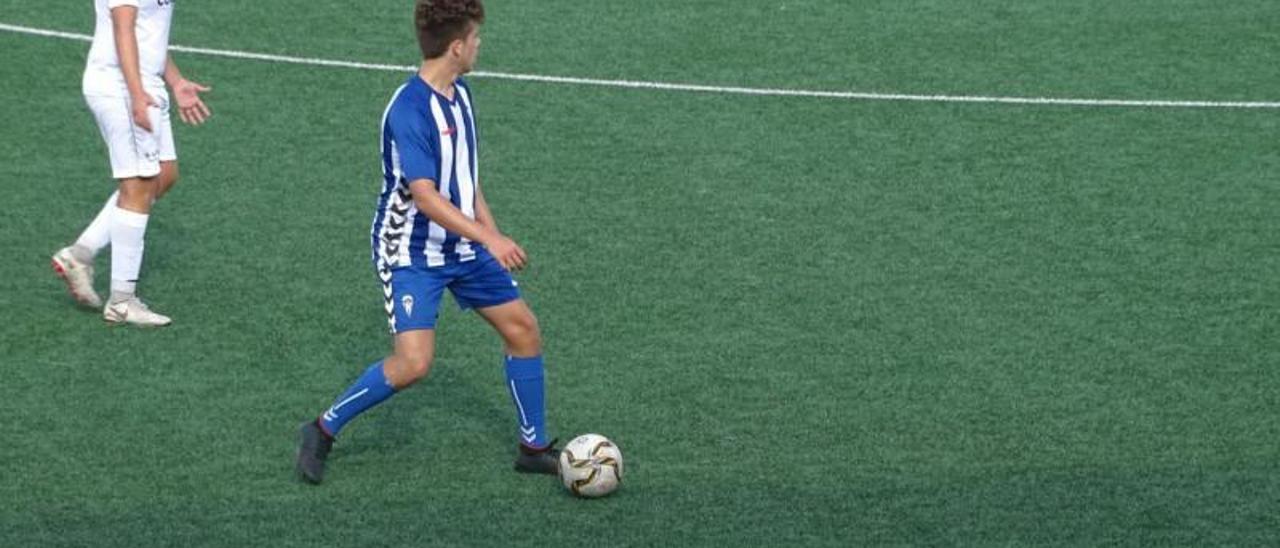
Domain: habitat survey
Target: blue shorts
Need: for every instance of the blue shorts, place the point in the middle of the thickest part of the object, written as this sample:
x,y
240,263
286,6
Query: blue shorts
x,y
412,293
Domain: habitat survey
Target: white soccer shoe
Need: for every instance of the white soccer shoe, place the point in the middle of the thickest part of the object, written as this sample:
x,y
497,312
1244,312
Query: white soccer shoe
x,y
79,277
135,312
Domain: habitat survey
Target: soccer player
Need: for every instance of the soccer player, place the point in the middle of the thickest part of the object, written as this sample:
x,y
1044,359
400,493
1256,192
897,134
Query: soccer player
x,y
124,85
433,230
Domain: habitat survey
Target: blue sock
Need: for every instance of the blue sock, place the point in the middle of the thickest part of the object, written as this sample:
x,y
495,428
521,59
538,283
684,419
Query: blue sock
x,y
369,390
524,379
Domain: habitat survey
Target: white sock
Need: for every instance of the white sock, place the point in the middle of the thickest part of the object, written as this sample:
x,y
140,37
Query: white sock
x,y
98,235
127,233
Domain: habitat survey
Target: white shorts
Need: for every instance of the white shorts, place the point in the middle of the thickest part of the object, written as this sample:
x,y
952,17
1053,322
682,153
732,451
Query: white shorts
x,y
135,152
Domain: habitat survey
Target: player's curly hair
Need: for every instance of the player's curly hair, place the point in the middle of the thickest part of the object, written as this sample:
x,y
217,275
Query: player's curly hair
x,y
440,22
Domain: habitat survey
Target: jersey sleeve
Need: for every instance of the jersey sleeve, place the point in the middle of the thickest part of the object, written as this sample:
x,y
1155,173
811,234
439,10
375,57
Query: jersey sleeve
x,y
412,137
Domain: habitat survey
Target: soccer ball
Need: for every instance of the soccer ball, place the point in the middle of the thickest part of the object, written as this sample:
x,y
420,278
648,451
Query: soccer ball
x,y
591,466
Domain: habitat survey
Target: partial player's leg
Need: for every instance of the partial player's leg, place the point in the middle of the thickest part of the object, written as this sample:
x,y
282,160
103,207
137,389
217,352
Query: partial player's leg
x,y
523,345
128,231
410,363
383,379
74,263
517,326
167,178
412,297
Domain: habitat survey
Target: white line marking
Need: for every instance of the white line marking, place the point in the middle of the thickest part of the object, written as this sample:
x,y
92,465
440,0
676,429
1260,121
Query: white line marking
x,y
666,86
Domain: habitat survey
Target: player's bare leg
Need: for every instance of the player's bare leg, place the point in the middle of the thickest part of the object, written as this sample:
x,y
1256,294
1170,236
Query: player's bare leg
x,y
517,326
522,341
408,364
166,179
412,358
133,208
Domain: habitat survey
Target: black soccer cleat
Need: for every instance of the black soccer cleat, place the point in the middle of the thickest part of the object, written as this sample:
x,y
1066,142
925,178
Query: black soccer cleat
x,y
538,461
313,448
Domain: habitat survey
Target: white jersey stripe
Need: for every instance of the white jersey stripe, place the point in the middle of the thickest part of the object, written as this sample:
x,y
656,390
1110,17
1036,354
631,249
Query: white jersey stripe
x,y
437,233
466,188
475,132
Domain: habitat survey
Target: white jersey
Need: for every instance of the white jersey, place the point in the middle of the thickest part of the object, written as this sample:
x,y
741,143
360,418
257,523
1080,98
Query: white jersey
x,y
102,75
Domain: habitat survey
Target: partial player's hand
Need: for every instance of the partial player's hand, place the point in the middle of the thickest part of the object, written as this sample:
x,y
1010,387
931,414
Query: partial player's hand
x,y
191,109
139,106
508,254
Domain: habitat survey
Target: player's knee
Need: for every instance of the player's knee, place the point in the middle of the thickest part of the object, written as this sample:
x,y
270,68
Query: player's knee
x,y
136,194
523,335
404,369
416,367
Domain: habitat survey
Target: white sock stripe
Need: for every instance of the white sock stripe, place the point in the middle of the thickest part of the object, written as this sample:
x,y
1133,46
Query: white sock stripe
x,y
519,406
339,405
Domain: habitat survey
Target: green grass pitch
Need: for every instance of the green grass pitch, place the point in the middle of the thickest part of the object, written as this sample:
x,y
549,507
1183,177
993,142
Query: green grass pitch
x,y
805,321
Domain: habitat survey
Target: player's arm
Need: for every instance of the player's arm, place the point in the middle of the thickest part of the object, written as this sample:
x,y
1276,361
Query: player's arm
x,y
483,215
436,208
191,108
123,20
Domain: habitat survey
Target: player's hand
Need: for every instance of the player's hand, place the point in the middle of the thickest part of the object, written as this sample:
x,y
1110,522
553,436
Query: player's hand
x,y
139,106
191,109
508,254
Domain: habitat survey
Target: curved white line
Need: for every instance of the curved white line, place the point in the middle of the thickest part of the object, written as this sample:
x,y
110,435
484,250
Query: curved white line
x,y
667,86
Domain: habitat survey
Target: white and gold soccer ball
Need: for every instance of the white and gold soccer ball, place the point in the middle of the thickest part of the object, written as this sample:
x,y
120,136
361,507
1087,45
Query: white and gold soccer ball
x,y
591,466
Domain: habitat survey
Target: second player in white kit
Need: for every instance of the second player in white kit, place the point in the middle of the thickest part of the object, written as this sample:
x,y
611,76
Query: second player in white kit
x,y
124,86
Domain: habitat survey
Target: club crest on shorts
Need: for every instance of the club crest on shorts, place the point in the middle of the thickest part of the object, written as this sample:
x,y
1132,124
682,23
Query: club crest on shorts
x,y
407,302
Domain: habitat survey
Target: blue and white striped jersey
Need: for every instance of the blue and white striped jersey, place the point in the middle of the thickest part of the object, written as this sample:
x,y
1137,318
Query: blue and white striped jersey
x,y
425,136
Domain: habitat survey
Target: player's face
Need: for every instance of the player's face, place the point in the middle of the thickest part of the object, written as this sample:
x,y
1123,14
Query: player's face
x,y
470,49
